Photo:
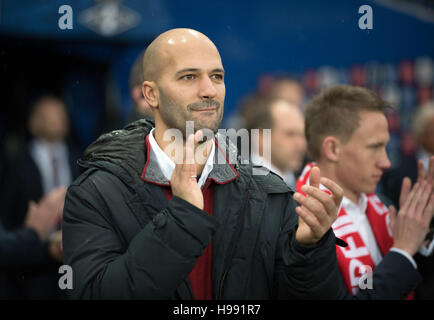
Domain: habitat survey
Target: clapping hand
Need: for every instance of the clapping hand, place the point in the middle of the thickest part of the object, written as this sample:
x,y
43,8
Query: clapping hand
x,y
318,210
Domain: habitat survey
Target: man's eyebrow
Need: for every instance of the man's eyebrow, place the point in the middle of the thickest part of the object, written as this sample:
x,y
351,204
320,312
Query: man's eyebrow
x,y
218,70
186,70
196,70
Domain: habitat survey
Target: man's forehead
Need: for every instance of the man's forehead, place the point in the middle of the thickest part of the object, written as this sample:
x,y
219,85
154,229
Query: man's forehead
x,y
282,108
373,127
371,120
179,49
49,104
191,58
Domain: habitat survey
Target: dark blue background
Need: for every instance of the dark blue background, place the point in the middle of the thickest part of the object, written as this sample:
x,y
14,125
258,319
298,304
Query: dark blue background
x,y
254,37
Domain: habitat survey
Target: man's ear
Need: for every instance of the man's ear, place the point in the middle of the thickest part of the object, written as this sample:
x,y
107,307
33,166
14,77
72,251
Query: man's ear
x,y
150,93
331,147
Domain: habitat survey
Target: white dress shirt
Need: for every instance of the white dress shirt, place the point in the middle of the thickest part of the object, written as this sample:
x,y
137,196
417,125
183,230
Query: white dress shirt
x,y
42,153
424,156
167,166
287,176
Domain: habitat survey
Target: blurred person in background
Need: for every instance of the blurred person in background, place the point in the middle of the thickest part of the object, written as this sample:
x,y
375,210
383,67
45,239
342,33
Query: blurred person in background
x,y
287,144
141,108
423,128
283,87
46,164
34,243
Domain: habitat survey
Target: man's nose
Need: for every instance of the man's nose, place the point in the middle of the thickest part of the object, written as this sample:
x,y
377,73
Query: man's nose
x,y
207,88
384,161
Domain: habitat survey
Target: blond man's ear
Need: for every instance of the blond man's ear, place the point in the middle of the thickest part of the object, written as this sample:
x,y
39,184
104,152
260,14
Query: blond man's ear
x,y
330,148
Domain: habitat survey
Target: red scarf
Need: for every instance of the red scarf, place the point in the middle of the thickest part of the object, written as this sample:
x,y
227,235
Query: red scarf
x,y
353,258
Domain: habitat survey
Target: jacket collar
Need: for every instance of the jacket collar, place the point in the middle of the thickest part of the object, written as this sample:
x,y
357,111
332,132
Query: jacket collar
x,y
167,166
223,171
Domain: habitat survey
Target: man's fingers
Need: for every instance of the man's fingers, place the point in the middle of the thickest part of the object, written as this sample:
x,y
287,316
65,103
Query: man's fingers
x,y
175,171
54,197
308,218
326,200
190,167
410,204
183,181
189,150
406,202
392,215
58,192
431,170
405,190
426,195
420,171
313,206
185,170
423,199
314,177
200,154
429,210
335,189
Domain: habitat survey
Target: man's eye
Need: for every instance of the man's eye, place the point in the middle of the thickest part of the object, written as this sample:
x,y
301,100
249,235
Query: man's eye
x,y
217,76
188,77
376,146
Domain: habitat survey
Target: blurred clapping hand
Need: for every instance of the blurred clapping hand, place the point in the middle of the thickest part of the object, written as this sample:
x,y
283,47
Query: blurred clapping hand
x,y
44,217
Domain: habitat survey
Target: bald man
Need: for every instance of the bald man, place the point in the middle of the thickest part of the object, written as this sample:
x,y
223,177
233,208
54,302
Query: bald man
x,y
157,214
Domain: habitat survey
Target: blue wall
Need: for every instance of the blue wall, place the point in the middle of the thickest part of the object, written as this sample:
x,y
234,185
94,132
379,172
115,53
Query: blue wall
x,y
253,37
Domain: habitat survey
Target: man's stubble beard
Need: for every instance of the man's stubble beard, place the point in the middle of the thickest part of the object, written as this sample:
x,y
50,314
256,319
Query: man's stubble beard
x,y
176,116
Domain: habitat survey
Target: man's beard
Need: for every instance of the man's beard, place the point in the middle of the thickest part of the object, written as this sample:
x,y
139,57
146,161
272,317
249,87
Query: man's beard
x,y
176,116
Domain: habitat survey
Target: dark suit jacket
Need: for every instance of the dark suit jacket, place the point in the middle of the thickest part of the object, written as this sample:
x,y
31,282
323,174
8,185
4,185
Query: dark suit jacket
x,y
18,249
21,183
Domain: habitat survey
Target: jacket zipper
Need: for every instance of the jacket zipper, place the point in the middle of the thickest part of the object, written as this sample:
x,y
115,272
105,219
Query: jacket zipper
x,y
233,247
